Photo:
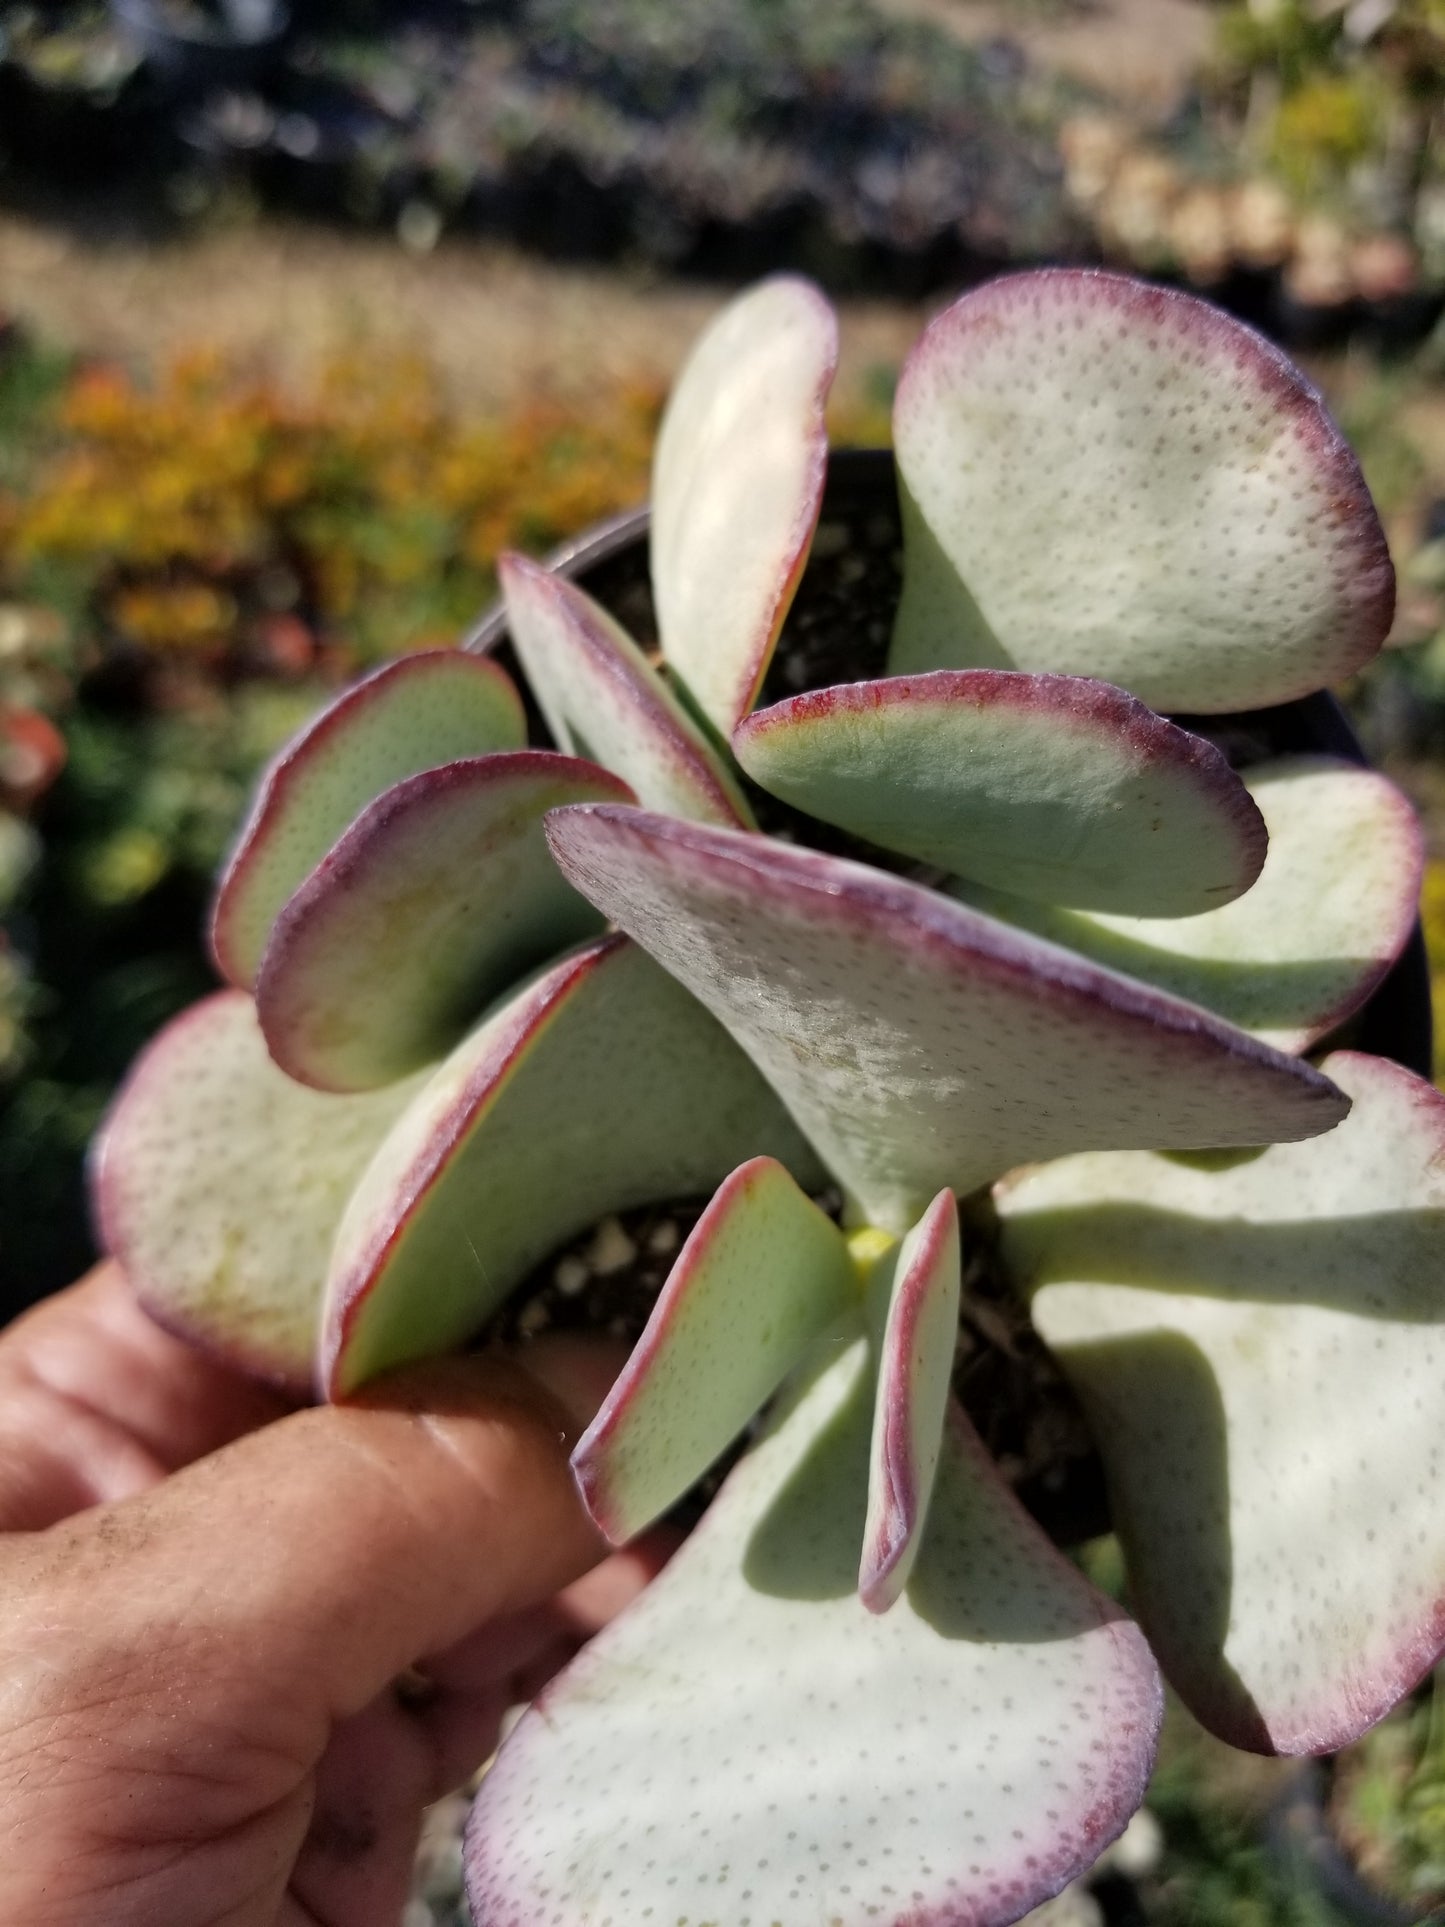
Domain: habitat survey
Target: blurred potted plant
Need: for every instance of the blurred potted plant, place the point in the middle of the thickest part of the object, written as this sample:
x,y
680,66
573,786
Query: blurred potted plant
x,y
200,44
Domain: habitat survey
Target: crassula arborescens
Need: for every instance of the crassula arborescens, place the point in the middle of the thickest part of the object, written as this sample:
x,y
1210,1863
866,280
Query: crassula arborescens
x,y
484,993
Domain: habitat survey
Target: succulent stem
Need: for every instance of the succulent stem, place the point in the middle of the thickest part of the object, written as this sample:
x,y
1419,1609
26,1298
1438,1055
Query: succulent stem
x,y
869,1247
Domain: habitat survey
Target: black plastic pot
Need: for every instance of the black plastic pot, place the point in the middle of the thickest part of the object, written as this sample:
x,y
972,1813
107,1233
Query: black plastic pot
x,y
610,561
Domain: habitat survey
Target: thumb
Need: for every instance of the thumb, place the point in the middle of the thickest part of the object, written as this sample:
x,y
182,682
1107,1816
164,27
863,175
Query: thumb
x,y
339,1545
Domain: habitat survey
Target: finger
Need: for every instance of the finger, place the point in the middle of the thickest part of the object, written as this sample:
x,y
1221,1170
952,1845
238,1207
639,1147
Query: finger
x,y
499,1651
387,1763
98,1403
510,1661
344,1542
595,1600
375,1780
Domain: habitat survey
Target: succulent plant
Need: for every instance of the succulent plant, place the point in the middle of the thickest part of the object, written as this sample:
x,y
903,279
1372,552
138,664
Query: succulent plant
x,y
1058,962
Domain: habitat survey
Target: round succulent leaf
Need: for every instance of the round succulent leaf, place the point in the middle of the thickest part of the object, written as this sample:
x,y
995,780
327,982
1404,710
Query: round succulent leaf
x,y
920,1045
1260,1346
439,896
915,1370
1333,908
219,1183
1104,478
762,1275
599,1086
603,699
1052,787
748,1744
737,483
414,714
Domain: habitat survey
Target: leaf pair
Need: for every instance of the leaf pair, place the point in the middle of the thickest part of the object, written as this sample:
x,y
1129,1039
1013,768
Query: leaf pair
x,y
1050,787
392,878
1099,479
269,1221
1258,1339
762,1277
789,1751
1102,484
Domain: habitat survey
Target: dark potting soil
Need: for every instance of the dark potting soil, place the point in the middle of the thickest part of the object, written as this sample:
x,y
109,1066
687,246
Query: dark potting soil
x,y
838,627
837,630
606,1281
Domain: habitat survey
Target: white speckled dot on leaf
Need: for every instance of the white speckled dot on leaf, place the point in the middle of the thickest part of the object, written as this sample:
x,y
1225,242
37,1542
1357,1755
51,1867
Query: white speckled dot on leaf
x,y
219,1183
598,1086
1261,1345
737,482
1102,478
919,1045
747,1744
1304,949
418,713
1054,787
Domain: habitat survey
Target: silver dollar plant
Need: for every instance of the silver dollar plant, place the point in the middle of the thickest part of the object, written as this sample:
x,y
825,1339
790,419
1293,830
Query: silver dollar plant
x,y
484,993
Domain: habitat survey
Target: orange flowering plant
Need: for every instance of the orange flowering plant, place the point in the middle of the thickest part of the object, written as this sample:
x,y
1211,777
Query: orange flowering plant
x,y
212,511
189,557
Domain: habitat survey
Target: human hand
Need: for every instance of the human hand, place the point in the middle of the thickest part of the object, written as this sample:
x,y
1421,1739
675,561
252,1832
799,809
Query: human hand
x,y
213,1609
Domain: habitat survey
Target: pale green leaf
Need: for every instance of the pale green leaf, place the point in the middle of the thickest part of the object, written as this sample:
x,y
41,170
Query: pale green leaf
x,y
1333,908
602,699
922,1046
763,1273
414,714
599,1086
219,1184
1260,1344
1103,478
1052,787
438,897
737,483
748,1744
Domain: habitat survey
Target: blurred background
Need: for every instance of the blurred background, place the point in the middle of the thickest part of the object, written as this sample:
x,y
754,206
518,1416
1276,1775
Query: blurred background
x,y
307,309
